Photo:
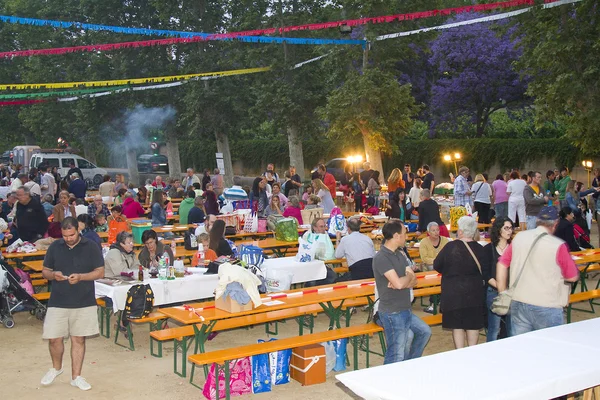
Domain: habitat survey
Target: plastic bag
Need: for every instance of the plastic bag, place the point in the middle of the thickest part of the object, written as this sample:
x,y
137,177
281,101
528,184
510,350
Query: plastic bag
x,y
252,255
337,223
455,214
286,230
330,356
340,354
323,246
261,374
279,362
240,380
306,251
278,280
251,223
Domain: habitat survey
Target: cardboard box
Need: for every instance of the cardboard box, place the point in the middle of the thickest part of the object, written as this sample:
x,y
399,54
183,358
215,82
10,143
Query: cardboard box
x,y
232,306
308,364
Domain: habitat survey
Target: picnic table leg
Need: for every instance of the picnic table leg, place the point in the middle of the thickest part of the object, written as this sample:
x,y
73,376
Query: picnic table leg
x,y
129,333
155,326
227,388
201,336
334,313
355,343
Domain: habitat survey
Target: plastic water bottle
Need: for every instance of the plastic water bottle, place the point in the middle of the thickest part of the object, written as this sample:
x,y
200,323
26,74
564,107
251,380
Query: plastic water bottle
x,y
200,255
173,247
162,268
167,259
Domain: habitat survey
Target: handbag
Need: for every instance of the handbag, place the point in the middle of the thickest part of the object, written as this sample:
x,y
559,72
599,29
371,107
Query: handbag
x,y
501,304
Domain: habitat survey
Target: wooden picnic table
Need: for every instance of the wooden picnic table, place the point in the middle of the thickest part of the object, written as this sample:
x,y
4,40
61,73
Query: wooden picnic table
x,y
36,266
172,228
278,247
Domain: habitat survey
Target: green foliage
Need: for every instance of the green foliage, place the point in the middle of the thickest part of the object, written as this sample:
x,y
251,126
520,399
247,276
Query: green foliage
x,y
372,104
563,43
482,154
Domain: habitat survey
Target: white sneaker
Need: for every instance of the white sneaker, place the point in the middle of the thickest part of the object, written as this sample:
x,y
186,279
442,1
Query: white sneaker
x,y
50,376
81,383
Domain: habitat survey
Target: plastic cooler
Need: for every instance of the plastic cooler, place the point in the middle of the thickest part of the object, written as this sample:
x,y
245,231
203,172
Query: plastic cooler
x,y
138,228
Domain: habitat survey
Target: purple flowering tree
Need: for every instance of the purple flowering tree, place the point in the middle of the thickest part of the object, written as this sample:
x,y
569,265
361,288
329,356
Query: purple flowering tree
x,y
475,69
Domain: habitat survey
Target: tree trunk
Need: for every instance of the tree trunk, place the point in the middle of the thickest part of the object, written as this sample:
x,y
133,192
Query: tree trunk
x,y
296,152
223,147
373,156
173,155
134,176
28,137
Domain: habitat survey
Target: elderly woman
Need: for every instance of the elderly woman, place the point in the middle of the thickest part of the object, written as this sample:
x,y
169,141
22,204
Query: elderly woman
x,y
121,258
461,263
63,208
429,248
501,235
153,250
293,209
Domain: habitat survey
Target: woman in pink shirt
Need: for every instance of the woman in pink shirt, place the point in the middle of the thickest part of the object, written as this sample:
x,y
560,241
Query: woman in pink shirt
x,y
293,209
500,196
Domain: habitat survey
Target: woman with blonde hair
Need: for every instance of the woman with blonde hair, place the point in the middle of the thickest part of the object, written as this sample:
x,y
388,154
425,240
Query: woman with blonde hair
x,y
395,181
482,199
323,192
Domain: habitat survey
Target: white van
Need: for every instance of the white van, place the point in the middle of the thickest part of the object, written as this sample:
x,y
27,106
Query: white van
x,y
63,159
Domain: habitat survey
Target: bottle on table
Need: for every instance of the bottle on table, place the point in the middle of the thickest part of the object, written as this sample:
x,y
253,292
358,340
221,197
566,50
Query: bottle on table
x,y
141,274
162,267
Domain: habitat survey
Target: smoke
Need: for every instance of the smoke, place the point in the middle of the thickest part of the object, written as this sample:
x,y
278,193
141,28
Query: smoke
x,y
134,128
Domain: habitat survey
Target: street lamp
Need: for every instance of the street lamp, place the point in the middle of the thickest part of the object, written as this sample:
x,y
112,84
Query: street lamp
x,y
588,165
354,160
454,158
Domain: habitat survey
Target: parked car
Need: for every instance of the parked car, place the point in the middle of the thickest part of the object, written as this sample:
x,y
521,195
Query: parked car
x,y
63,159
153,163
5,158
336,167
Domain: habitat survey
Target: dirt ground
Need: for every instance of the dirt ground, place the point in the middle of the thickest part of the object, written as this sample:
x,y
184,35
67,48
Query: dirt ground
x,y
117,373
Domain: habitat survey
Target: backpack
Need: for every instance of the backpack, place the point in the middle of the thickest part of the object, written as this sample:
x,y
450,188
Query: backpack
x,y
140,299
189,239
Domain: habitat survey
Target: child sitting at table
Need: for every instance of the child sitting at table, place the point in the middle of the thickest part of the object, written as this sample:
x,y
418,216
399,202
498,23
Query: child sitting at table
x,y
371,208
209,254
101,224
312,202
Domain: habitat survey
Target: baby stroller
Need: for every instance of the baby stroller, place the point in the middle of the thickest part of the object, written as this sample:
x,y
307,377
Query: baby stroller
x,y
13,298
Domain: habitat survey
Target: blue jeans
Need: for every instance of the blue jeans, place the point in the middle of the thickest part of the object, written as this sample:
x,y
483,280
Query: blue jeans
x,y
501,209
531,222
493,320
527,318
397,328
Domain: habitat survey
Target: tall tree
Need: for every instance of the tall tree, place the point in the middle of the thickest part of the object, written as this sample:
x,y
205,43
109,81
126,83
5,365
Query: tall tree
x,y
475,70
375,106
562,57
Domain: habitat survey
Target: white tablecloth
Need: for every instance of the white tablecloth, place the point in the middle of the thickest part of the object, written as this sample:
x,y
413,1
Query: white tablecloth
x,y
200,286
192,287
539,365
302,271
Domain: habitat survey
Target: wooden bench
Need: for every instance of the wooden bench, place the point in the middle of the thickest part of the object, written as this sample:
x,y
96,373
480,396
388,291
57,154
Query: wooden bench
x,y
39,283
590,296
225,356
182,336
43,296
37,275
37,265
155,320
584,270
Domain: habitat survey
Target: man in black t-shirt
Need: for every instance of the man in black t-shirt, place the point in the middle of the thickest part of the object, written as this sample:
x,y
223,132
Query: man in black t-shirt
x,y
74,169
32,222
293,183
72,263
428,179
366,174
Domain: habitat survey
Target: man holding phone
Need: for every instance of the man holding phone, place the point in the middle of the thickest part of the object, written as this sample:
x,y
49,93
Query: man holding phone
x,y
72,264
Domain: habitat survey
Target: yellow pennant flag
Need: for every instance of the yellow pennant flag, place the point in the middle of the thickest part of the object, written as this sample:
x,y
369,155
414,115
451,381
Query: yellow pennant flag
x,y
135,81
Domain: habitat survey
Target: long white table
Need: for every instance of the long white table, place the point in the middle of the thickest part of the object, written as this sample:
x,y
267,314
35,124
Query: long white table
x,y
200,286
539,365
191,287
302,271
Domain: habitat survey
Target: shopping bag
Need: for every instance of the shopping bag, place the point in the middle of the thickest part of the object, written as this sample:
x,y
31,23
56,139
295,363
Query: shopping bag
x,y
262,225
340,354
279,362
455,214
278,280
286,230
306,251
114,228
323,246
330,356
240,380
251,223
308,215
261,374
252,255
337,223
